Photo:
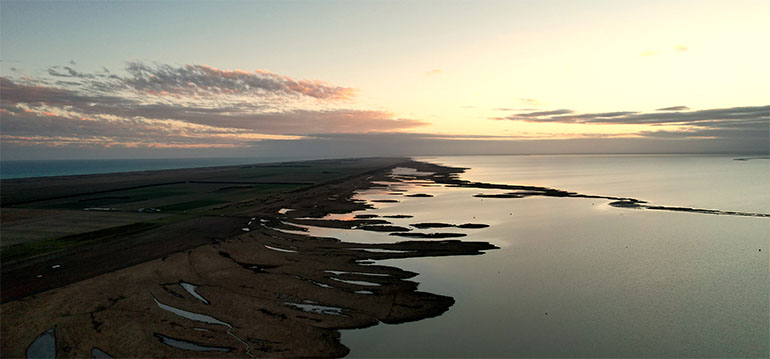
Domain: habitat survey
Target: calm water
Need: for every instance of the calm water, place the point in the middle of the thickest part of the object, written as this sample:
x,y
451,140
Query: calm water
x,y
25,169
614,282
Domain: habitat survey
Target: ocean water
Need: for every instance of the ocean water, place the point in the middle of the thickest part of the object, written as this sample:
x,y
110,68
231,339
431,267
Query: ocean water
x,y
41,168
576,277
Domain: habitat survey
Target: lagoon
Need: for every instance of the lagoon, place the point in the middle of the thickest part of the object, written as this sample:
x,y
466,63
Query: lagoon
x,y
579,278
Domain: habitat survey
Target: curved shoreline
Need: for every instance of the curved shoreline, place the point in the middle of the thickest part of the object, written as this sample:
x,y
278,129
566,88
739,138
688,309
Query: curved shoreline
x,y
265,284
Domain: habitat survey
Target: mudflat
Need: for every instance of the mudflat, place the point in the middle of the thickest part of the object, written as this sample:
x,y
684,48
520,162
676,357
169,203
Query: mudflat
x,y
205,262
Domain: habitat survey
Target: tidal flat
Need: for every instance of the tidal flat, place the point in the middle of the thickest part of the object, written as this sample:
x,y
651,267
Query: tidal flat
x,y
280,273
207,274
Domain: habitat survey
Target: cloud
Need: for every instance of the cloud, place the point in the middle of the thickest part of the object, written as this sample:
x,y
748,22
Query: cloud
x,y
724,123
673,108
433,72
68,72
540,114
206,80
681,48
530,101
203,80
761,113
192,105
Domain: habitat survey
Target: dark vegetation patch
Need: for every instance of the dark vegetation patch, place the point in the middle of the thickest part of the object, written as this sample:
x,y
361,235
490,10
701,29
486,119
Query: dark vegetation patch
x,y
420,195
446,225
473,225
385,228
231,188
431,225
31,249
183,206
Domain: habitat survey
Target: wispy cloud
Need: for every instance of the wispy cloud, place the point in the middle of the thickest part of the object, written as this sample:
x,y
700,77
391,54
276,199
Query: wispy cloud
x,y
760,113
178,106
542,114
530,101
714,123
674,108
206,80
433,72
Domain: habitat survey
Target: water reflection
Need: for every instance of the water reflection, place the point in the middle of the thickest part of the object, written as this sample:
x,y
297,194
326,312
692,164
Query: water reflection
x,y
613,281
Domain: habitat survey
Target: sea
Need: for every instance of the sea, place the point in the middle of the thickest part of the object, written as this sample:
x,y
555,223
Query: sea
x,y
576,277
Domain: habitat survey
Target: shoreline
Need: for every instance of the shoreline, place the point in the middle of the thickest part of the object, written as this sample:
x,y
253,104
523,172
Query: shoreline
x,y
148,243
296,283
254,291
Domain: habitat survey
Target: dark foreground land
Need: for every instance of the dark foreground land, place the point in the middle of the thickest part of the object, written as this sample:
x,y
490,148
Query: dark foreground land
x,y
93,224
197,262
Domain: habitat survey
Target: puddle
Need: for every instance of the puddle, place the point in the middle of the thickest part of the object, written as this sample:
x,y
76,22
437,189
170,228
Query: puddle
x,y
312,307
183,344
190,288
284,210
280,249
200,318
364,292
44,346
356,282
322,285
335,272
97,353
245,229
201,329
55,266
190,315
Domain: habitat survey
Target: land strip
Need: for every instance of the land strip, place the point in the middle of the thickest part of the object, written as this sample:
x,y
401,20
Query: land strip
x,y
255,291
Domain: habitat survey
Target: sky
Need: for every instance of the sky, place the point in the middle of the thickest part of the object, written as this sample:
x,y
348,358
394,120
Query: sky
x,y
342,78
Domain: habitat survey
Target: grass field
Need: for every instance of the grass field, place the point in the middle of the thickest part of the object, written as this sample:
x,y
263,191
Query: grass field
x,y
42,216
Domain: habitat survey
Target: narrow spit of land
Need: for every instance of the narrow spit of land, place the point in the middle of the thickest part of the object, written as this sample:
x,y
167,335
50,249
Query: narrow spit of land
x,y
199,263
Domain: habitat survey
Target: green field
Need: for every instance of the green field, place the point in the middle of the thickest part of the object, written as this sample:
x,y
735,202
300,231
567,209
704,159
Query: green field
x,y
50,215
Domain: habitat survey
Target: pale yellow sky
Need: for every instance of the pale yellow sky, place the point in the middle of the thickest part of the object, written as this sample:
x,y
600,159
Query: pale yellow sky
x,y
146,75
635,58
